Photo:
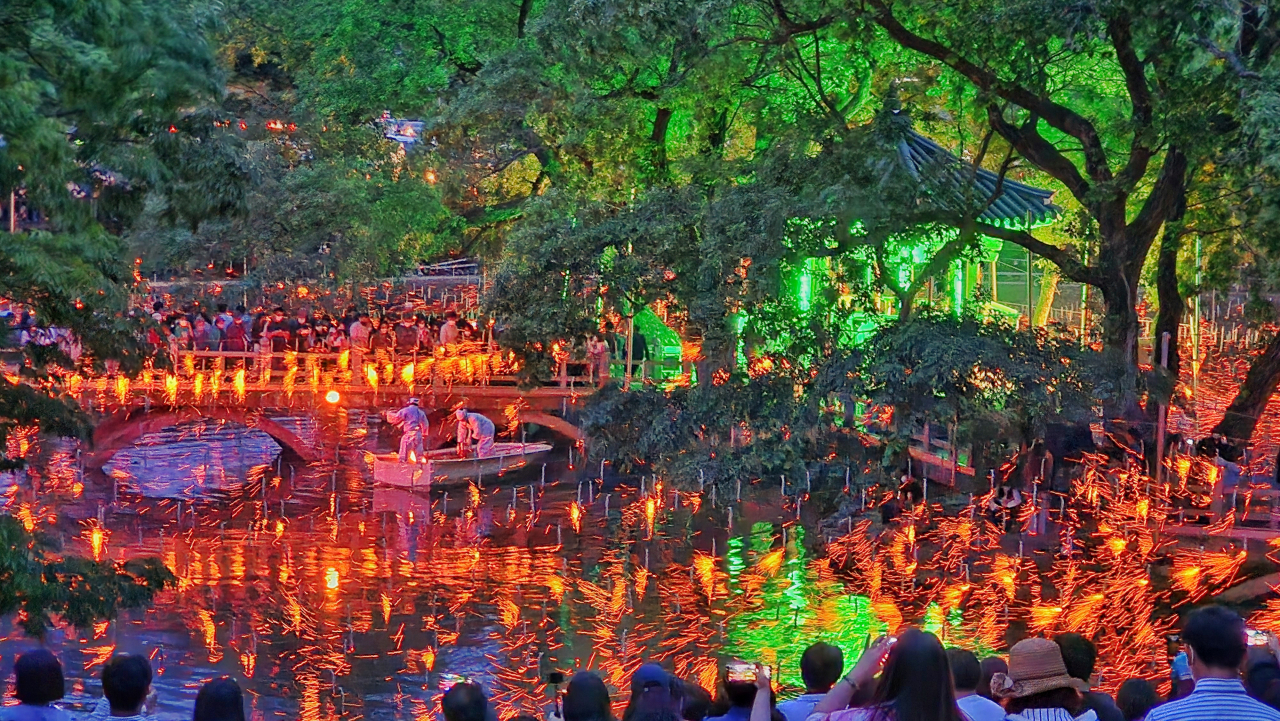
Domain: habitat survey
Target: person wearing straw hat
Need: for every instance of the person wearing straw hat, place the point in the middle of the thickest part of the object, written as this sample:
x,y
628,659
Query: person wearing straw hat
x,y
1037,686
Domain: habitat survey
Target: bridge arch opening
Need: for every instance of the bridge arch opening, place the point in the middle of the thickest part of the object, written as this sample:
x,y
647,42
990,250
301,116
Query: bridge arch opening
x,y
125,428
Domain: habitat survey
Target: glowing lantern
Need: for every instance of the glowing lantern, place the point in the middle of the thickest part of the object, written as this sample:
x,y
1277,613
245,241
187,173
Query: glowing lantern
x,y
170,389
406,375
97,540
575,516
371,375
238,384
332,397
331,578
344,360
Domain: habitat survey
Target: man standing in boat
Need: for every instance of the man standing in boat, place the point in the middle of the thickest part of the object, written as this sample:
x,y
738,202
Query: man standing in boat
x,y
474,427
413,421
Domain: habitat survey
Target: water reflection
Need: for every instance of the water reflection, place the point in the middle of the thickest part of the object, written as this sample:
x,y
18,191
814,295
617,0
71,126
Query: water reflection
x,y
327,597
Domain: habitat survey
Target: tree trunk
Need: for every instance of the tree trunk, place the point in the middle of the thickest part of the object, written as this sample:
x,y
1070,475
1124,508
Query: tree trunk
x,y
1048,292
659,139
525,6
1120,344
1172,304
1259,385
906,301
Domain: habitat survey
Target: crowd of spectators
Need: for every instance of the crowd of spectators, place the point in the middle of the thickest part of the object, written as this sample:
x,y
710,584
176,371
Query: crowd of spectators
x,y
127,694
907,677
309,330
913,677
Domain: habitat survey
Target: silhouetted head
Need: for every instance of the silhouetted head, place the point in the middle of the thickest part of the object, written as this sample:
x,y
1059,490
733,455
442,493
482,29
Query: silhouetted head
x,y
966,672
465,702
587,698
821,666
219,699
991,666
1215,639
917,679
38,678
1078,653
697,701
126,680
1135,698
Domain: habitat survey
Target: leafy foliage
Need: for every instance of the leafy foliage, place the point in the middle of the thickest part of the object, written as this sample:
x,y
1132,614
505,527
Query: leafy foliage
x,y
103,104
969,371
76,590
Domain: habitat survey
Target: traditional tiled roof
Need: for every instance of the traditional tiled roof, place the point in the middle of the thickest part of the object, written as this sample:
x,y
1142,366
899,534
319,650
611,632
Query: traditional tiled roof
x,y
1018,205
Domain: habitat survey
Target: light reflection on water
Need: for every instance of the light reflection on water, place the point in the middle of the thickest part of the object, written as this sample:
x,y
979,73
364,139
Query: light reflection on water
x,y
327,597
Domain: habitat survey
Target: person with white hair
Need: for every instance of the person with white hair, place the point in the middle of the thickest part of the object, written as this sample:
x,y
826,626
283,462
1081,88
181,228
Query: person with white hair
x,y
477,428
413,421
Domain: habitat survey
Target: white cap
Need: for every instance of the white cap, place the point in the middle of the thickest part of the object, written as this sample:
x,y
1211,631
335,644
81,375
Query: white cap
x,y
413,401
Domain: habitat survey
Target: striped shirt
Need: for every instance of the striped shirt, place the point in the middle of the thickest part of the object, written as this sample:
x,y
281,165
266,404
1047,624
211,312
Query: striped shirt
x,y
1215,699
1051,714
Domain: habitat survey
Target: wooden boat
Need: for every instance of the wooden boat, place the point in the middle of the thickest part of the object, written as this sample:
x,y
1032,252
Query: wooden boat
x,y
444,467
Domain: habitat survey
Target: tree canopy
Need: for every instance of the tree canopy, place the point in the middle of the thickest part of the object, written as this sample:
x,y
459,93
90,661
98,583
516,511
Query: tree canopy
x,y
709,157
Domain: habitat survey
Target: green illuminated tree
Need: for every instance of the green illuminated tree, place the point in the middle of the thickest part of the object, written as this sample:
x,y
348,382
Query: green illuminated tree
x,y
1112,100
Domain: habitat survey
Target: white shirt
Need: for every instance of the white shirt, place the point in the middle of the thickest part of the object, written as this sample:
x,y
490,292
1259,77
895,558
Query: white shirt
x,y
977,708
799,708
449,333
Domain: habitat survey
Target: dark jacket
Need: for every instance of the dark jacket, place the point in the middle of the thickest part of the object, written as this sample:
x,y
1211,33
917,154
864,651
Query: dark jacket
x,y
1103,705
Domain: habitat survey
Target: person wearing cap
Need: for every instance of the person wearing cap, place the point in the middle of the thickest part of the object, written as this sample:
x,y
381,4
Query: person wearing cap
x,y
413,422
1038,687
477,428
653,690
1214,639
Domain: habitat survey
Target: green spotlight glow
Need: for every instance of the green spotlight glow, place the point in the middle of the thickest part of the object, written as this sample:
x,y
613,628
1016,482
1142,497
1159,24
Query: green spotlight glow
x,y
957,286
804,289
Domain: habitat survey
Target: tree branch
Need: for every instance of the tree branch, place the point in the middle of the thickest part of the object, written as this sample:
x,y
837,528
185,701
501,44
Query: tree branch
x,y
1064,258
1160,205
1058,116
1044,154
1135,80
1230,58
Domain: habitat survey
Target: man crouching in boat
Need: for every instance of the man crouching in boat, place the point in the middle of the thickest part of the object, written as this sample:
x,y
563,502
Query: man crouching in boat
x,y
474,427
413,421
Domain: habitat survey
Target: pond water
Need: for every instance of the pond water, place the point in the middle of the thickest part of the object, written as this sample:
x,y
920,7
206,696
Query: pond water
x,y
326,597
